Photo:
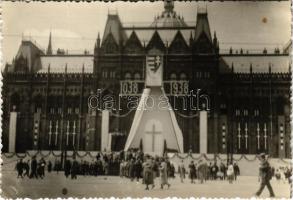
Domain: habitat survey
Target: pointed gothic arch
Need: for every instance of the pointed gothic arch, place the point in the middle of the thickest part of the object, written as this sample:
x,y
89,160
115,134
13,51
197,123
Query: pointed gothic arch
x,y
156,43
178,44
133,44
110,45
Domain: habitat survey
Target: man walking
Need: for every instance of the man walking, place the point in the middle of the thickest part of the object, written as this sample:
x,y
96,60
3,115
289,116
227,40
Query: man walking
x,y
265,176
34,166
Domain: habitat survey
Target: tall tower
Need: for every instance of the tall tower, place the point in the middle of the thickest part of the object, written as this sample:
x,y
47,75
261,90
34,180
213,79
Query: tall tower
x,y
49,49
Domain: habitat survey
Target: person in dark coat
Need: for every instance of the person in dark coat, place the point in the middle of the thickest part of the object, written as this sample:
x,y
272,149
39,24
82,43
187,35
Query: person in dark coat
x,y
138,169
192,171
265,176
49,166
19,167
172,170
236,171
215,170
67,168
42,165
74,169
26,167
34,166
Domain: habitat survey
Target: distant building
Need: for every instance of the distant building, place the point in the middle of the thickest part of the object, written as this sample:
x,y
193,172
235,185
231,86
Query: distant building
x,y
249,92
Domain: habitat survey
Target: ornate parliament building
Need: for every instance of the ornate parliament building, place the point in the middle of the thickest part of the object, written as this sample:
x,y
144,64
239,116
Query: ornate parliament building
x,y
46,94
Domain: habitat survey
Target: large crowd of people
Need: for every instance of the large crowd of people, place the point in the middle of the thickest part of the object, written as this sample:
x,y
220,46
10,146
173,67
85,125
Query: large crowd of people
x,y
136,166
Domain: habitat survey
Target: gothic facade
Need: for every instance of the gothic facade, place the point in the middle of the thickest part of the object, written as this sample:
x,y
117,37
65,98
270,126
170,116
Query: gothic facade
x,y
249,93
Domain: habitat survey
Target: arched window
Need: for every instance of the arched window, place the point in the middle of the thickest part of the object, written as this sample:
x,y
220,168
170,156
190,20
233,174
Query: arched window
x,y
127,75
137,76
173,76
183,76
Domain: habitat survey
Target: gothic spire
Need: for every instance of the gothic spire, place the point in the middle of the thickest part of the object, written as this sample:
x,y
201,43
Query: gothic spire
x,y
49,49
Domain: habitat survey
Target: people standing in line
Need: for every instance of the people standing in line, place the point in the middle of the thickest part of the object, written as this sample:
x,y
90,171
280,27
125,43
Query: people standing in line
x,y
164,174
19,168
34,166
230,173
265,174
181,171
192,171
148,173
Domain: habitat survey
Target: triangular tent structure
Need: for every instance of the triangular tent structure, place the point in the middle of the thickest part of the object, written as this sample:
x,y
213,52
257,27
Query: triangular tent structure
x,y
154,122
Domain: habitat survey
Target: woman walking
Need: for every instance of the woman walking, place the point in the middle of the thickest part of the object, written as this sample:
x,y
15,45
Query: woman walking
x,y
164,174
148,174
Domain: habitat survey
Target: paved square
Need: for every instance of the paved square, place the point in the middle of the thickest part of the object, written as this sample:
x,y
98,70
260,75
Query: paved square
x,y
89,186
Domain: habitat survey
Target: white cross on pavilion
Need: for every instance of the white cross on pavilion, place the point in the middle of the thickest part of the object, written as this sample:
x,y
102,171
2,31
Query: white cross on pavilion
x,y
153,133
258,136
239,135
265,135
246,135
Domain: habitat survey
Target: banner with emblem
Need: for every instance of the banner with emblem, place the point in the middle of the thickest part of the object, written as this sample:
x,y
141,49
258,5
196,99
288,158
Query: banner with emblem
x,y
154,70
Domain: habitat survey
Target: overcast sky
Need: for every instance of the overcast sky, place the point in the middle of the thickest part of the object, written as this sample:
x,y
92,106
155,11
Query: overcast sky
x,y
75,26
